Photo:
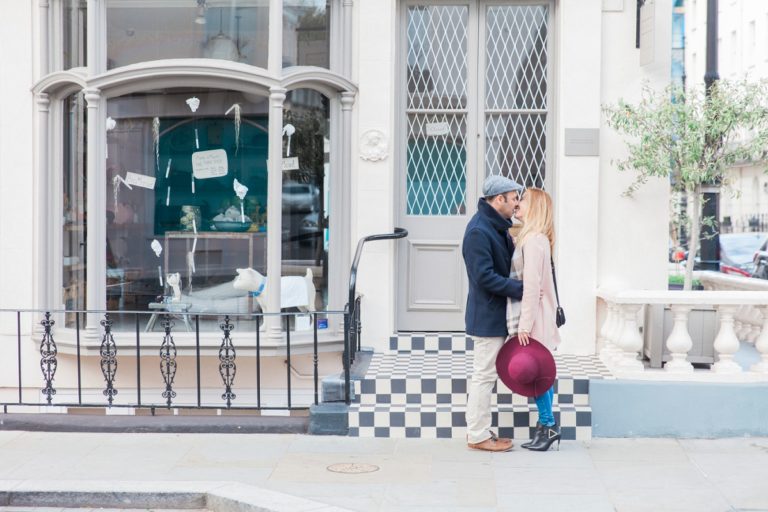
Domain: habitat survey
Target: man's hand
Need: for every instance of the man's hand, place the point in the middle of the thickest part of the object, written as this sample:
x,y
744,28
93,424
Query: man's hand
x,y
522,337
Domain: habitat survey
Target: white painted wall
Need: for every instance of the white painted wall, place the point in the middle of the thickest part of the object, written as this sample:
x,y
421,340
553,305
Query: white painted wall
x,y
17,186
633,232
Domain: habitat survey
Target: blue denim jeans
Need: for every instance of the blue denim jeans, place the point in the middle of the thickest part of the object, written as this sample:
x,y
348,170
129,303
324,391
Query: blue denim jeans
x,y
544,404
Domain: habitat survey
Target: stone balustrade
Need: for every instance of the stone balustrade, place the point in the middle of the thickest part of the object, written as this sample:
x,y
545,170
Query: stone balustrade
x,y
748,319
621,339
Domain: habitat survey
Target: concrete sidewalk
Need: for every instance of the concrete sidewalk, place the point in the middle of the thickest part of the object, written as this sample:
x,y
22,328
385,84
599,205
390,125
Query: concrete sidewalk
x,y
623,475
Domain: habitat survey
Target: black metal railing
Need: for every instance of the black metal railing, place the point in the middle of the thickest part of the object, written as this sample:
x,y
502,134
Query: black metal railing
x,y
352,317
118,389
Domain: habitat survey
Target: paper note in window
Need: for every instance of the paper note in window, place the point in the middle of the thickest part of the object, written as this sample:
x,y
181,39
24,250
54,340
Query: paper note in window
x,y
291,164
209,164
437,129
139,180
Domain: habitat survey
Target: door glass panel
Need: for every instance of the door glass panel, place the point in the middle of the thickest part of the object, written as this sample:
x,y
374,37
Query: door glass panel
x,y
516,92
436,110
436,181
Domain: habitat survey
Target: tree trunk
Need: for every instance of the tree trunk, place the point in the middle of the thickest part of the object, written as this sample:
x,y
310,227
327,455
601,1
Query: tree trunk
x,y
693,239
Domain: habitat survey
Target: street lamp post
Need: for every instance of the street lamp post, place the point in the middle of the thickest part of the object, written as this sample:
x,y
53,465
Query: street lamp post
x,y
710,243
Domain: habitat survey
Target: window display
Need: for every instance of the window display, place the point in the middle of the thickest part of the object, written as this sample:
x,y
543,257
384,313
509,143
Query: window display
x,y
188,183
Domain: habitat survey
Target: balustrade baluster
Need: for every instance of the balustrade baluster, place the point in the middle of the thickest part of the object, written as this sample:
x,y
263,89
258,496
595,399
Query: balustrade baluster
x,y
48,360
679,341
168,360
108,353
227,366
762,344
630,340
726,341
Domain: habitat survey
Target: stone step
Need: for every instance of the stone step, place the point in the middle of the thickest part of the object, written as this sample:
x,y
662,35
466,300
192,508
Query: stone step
x,y
448,421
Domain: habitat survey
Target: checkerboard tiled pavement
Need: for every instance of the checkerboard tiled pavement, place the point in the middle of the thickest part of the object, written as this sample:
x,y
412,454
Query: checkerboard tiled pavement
x,y
419,389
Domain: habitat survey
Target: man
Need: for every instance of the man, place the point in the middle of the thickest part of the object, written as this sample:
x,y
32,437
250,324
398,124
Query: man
x,y
487,251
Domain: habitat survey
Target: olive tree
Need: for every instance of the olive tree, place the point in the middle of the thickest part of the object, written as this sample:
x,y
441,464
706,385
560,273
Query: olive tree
x,y
693,137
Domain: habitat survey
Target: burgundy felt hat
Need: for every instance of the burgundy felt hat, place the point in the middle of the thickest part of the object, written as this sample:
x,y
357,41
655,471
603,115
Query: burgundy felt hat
x,y
526,370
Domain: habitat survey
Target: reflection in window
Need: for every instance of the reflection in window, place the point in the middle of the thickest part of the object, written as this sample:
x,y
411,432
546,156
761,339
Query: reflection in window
x,y
306,185
150,31
184,169
74,35
74,206
306,33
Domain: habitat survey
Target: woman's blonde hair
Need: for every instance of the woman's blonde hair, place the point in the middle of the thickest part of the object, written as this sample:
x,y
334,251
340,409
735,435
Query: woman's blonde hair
x,y
539,217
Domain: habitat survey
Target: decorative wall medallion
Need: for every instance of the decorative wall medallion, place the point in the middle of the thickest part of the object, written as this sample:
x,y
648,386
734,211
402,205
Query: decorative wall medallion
x,y
373,146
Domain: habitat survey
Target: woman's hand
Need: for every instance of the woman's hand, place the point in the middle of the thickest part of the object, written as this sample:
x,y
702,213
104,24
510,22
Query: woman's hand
x,y
522,337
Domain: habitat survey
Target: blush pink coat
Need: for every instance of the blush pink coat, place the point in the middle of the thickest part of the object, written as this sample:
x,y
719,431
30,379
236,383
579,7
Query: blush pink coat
x,y
539,304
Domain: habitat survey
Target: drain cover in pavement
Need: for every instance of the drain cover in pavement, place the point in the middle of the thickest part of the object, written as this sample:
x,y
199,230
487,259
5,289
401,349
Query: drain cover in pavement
x,y
352,468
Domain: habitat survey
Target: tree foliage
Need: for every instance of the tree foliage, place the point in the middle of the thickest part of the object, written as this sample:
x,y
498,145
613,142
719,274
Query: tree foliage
x,y
693,139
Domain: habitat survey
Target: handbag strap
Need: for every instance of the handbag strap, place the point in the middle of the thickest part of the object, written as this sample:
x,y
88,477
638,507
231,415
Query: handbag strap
x,y
554,279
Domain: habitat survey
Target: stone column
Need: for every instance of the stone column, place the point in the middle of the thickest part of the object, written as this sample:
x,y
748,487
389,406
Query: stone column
x,y
97,210
45,45
344,237
275,51
347,38
45,257
275,211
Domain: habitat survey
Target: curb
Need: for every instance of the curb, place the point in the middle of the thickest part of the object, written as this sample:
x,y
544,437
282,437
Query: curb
x,y
214,496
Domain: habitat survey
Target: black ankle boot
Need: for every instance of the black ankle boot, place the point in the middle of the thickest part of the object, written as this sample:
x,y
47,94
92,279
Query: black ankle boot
x,y
548,437
537,433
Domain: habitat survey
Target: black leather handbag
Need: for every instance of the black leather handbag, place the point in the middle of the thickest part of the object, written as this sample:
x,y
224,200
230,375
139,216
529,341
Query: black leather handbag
x,y
560,314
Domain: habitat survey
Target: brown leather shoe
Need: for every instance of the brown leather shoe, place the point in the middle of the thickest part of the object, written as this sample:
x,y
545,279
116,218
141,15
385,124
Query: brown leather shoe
x,y
493,444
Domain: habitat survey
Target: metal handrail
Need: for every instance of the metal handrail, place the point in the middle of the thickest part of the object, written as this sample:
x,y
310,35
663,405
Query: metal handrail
x,y
399,233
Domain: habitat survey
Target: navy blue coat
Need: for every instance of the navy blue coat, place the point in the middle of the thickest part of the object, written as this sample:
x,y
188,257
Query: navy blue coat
x,y
487,251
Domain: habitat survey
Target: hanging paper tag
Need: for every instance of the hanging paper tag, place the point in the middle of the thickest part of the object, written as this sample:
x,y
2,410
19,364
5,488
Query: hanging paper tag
x,y
140,180
168,168
193,183
209,164
168,197
242,213
197,140
160,274
194,244
291,164
438,129
157,247
194,226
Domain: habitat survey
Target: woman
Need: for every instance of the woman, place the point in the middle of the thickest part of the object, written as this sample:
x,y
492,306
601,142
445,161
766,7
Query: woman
x,y
534,316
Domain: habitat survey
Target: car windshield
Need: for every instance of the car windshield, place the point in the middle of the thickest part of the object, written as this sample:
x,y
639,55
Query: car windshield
x,y
296,189
740,248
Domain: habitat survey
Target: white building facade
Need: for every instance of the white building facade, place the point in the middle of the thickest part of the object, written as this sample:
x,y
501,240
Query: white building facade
x,y
126,122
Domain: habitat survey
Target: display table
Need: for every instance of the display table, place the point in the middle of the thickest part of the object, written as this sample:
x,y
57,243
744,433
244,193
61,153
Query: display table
x,y
170,307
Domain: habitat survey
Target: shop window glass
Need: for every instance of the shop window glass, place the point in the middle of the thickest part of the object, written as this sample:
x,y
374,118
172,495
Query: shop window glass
x,y
139,31
306,187
306,33
74,206
74,15
183,167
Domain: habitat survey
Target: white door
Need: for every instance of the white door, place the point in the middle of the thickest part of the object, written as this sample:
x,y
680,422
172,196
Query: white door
x,y
474,101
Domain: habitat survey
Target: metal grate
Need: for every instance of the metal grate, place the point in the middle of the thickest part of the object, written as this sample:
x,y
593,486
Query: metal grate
x,y
516,57
515,146
437,57
516,92
436,157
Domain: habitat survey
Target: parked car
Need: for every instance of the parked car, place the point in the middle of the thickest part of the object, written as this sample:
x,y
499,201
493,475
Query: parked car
x,y
760,261
300,197
738,252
